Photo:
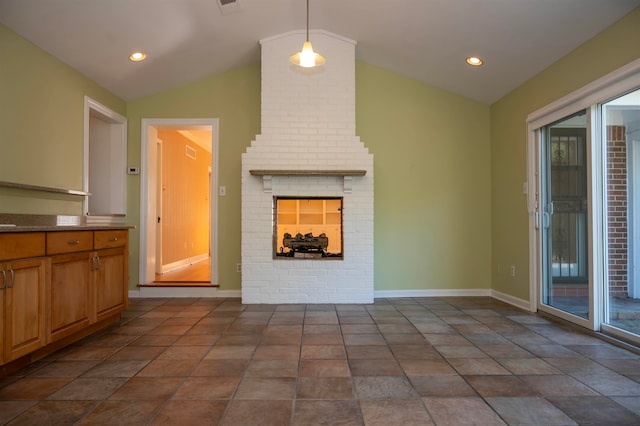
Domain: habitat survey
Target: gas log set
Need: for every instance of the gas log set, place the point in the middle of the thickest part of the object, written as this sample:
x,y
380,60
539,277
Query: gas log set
x,y
305,246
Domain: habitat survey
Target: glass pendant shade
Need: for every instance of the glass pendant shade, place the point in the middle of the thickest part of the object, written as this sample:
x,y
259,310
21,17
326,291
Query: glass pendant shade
x,y
307,58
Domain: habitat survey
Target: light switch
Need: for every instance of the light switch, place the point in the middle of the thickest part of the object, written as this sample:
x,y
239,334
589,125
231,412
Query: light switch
x,y
223,191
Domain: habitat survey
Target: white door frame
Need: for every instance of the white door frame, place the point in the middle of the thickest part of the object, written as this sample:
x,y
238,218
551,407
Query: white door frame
x,y
148,212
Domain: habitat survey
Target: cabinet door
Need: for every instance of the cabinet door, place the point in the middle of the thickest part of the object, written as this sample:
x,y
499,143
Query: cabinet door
x,y
110,282
24,307
70,294
3,283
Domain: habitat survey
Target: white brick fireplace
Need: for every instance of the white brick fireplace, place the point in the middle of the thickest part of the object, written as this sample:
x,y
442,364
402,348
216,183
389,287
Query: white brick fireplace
x,y
308,148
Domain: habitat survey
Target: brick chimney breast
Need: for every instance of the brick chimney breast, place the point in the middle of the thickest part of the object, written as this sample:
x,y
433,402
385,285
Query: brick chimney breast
x,y
308,123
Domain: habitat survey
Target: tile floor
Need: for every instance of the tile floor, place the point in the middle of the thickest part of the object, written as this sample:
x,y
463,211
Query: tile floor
x,y
418,361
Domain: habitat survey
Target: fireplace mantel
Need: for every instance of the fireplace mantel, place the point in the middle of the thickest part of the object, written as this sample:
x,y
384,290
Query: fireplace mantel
x,y
291,172
267,175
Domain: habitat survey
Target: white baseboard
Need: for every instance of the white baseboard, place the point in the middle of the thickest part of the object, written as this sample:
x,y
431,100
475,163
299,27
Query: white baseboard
x,y
394,294
182,292
183,263
515,301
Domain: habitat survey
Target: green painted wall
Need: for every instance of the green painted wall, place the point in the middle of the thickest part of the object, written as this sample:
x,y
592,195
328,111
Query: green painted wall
x,y
432,182
41,123
233,98
614,47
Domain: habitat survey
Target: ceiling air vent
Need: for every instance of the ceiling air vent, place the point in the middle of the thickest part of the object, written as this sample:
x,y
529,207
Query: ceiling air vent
x,y
228,6
190,152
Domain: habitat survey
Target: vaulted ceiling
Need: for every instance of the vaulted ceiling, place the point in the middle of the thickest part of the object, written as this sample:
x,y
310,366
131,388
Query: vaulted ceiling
x,y
186,40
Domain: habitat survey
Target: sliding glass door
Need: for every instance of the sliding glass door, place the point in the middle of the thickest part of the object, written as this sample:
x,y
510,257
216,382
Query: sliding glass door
x,y
563,220
621,136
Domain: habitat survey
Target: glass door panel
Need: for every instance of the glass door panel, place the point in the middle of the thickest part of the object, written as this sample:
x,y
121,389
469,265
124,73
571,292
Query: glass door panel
x,y
564,207
621,130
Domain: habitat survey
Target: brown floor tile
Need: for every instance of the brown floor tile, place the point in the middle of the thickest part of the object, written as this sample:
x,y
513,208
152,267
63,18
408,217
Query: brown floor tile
x,y
321,329
368,352
266,388
184,352
11,409
320,412
441,385
356,319
446,339
273,368
404,338
594,410
406,412
528,411
324,368
197,340
383,387
190,413
89,388
238,339
230,352
119,413
166,340
423,367
64,369
322,339
282,329
375,367
504,351
578,365
456,351
168,368
364,339
137,353
323,352
277,352
182,321
461,412
207,388
173,330
32,388
281,339
90,353
423,351
359,328
557,385
610,384
220,367
55,413
474,366
206,329
524,366
148,388
502,385
118,368
324,388
263,413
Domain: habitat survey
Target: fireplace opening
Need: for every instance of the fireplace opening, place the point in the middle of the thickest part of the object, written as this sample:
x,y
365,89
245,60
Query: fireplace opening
x,y
307,228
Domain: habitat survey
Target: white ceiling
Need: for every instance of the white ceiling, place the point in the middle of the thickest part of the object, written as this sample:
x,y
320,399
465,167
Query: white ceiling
x,y
428,40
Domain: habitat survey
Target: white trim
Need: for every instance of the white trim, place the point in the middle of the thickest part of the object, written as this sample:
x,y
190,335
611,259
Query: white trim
x,y
391,294
144,190
182,292
183,263
607,87
118,137
515,301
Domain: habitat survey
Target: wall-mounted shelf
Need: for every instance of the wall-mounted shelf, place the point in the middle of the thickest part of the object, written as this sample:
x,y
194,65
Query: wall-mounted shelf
x,y
4,184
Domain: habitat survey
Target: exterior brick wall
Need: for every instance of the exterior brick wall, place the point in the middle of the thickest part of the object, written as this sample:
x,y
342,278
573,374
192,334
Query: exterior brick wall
x,y
617,210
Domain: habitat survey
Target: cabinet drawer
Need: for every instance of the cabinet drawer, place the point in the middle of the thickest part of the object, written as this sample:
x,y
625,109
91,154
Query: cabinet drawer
x,y
21,245
110,238
69,242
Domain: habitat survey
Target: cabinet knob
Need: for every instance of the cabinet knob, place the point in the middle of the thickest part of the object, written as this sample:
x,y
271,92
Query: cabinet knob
x,y
113,239
73,242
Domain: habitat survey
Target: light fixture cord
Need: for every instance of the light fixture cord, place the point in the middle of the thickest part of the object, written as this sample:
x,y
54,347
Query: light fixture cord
x,y
307,20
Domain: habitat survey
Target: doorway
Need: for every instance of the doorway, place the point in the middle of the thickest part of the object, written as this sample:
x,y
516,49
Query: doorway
x,y
178,235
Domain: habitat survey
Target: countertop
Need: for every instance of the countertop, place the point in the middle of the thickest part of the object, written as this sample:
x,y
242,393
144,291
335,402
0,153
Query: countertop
x,y
10,222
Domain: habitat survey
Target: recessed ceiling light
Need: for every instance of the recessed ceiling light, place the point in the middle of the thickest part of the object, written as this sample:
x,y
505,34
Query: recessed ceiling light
x,y
474,60
137,56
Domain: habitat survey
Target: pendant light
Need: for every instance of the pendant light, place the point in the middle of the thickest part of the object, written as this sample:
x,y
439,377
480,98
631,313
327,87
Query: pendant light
x,y
307,58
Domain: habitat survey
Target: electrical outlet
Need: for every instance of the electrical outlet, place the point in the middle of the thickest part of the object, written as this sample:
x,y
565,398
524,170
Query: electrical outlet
x,y
238,267
513,270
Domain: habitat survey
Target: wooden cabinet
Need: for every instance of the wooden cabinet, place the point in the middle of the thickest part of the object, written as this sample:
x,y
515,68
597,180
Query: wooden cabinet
x,y
54,286
23,277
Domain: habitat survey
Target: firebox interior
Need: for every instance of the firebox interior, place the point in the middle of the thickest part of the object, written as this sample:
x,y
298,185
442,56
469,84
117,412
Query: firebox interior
x,y
307,228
